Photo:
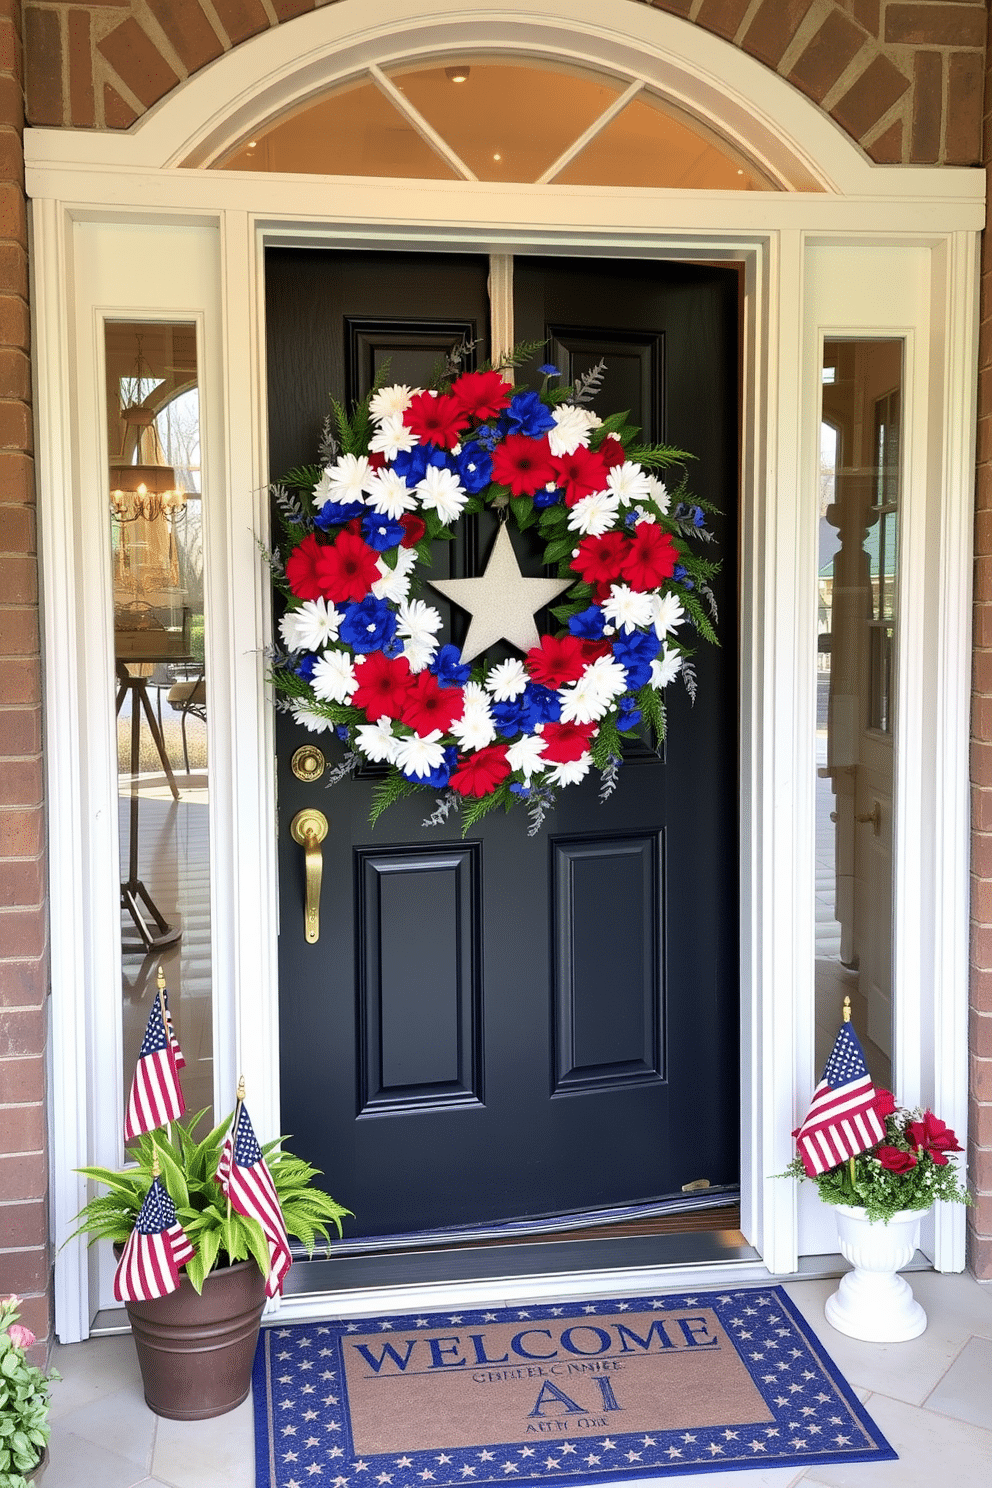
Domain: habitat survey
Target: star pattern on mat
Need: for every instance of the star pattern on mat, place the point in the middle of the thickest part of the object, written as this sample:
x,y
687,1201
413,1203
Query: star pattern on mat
x,y
805,1413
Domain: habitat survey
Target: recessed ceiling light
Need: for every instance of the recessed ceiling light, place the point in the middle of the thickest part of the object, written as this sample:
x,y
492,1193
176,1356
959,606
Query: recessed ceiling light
x,y
497,157
457,74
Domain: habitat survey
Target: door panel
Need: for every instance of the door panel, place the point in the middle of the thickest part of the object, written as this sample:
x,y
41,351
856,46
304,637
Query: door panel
x,y
509,1026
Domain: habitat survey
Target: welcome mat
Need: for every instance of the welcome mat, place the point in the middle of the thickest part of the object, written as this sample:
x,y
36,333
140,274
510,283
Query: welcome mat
x,y
586,1392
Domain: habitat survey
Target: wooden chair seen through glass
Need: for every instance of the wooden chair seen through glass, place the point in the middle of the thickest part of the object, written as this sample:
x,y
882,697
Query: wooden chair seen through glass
x,y
161,687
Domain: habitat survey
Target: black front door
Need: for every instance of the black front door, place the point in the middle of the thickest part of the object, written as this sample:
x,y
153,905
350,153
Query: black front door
x,y
508,1026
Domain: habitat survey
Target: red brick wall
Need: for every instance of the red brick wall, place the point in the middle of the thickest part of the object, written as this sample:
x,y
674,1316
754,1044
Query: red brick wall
x,y
980,1139
25,1259
884,69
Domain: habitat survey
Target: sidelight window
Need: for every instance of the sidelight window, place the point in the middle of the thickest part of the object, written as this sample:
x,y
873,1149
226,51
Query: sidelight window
x,y
161,687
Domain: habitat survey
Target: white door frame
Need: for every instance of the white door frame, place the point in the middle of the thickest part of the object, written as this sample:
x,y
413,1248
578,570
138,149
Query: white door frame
x,y
189,244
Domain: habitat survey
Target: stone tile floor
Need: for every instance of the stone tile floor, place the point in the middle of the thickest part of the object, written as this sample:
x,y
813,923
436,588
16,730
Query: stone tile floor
x,y
931,1397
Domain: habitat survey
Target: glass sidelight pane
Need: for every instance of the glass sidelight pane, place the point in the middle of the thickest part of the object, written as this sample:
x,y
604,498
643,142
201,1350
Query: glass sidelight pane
x,y
161,687
858,588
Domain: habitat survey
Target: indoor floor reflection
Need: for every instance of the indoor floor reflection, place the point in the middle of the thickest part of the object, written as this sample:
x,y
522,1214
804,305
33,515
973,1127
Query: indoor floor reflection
x,y
173,862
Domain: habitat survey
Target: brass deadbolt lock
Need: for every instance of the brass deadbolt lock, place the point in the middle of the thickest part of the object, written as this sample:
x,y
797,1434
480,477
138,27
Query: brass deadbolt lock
x,y
308,762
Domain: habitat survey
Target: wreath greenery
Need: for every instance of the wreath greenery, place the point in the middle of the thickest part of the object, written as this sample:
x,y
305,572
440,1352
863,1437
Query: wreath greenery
x,y
362,653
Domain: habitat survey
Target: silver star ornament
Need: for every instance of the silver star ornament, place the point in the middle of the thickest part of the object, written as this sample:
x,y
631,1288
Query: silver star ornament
x,y
501,601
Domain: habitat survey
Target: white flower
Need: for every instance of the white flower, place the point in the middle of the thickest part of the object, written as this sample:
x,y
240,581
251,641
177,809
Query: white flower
x,y
417,620
628,608
666,667
475,729
594,514
628,482
507,680
394,584
387,400
659,494
310,627
525,755
643,516
305,715
572,426
419,653
392,436
419,755
347,480
376,741
668,614
334,677
569,772
390,495
441,491
588,699
476,698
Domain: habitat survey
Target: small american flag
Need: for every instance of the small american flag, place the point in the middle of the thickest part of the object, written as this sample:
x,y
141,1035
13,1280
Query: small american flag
x,y
243,1175
177,1053
158,1245
156,1094
842,1121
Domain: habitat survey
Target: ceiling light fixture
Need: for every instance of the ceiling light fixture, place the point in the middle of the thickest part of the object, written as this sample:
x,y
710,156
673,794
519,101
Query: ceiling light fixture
x,y
457,74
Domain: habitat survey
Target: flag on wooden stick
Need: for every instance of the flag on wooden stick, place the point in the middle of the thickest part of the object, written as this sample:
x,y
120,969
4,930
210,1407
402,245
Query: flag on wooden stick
x,y
156,1248
156,1094
842,1120
245,1178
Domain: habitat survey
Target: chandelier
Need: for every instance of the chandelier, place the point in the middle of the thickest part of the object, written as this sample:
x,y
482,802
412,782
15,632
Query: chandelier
x,y
142,484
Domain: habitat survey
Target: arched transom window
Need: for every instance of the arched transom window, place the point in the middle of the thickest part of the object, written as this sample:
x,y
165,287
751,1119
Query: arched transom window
x,y
487,118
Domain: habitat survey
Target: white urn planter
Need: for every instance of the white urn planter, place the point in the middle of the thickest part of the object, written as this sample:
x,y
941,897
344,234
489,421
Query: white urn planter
x,y
873,1302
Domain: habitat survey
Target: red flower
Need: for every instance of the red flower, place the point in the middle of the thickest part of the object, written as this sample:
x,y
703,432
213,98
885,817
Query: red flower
x,y
414,529
525,465
482,772
428,706
436,420
301,569
566,741
555,662
580,473
651,558
382,686
347,569
481,394
601,559
611,451
376,460
593,650
895,1160
934,1137
885,1102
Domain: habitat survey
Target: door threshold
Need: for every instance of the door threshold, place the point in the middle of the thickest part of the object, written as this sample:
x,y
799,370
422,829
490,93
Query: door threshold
x,y
313,1299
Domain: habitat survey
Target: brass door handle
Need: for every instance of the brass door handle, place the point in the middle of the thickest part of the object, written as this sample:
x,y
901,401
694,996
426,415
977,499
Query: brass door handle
x,y
874,816
309,828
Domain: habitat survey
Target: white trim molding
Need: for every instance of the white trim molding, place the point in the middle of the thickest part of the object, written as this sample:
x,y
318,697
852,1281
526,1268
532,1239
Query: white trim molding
x,y
845,245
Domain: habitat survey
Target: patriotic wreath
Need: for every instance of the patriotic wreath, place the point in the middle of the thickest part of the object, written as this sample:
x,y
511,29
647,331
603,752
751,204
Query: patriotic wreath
x,y
361,651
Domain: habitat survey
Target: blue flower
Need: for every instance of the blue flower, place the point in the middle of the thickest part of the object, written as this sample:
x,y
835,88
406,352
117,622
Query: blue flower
x,y
448,667
528,415
305,665
509,717
335,513
549,371
681,576
543,705
635,652
382,532
475,468
440,776
411,464
342,732
368,626
588,623
628,716
546,498
523,791
487,436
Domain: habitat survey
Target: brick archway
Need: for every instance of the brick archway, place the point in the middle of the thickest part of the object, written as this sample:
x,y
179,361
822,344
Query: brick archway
x,y
883,70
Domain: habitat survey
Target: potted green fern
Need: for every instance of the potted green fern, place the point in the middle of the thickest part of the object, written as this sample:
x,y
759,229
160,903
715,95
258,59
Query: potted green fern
x,y
196,1342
